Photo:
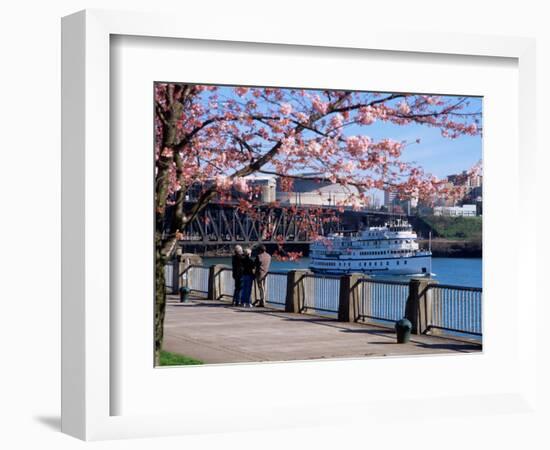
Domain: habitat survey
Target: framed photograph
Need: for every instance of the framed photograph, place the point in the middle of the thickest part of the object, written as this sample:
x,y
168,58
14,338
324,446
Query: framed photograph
x,y
296,223
262,232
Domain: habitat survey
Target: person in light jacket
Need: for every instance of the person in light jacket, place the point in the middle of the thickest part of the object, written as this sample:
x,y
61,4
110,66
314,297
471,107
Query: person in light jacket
x,y
262,263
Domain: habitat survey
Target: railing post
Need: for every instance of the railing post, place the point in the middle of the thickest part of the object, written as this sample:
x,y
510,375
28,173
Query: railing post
x,y
183,268
418,308
411,307
214,284
295,290
425,306
175,276
348,302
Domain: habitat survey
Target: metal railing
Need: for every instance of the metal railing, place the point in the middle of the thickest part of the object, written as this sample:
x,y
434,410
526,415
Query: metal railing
x,y
168,277
195,278
275,288
382,300
444,309
320,293
226,282
455,309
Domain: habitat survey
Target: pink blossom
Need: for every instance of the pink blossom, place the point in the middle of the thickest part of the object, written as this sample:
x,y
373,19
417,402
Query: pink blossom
x,y
357,146
393,148
302,117
240,184
223,182
319,105
287,144
432,100
349,166
404,108
314,148
167,152
240,91
366,115
336,121
285,109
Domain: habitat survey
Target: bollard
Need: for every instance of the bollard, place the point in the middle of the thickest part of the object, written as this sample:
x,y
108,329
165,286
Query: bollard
x,y
403,329
184,294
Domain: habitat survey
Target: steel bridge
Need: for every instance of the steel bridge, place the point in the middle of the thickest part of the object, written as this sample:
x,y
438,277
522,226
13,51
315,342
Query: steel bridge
x,y
225,224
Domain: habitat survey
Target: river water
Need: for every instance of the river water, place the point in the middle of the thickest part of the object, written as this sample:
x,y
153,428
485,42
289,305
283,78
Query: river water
x,y
455,271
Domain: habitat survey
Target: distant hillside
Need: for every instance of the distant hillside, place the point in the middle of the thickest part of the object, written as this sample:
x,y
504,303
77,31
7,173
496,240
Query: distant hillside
x,y
453,248
455,228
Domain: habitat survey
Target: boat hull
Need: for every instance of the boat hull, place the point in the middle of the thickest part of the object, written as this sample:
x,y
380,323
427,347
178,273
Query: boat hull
x,y
417,265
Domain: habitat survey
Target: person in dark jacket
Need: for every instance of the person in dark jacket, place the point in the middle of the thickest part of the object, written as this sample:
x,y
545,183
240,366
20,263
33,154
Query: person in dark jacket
x,y
247,278
262,263
237,266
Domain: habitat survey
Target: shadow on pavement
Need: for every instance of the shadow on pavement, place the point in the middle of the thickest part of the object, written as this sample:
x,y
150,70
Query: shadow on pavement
x,y
458,347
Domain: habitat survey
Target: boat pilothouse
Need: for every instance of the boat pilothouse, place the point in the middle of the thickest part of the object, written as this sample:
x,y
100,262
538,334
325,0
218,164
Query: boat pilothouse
x,y
389,249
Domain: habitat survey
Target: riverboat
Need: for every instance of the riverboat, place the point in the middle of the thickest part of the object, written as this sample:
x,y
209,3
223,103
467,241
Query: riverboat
x,y
390,249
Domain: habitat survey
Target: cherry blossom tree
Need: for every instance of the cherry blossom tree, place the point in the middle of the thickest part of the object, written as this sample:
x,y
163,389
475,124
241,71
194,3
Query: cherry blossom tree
x,y
215,137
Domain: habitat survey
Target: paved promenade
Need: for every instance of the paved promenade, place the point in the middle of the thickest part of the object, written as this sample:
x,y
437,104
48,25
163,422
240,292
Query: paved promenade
x,y
216,332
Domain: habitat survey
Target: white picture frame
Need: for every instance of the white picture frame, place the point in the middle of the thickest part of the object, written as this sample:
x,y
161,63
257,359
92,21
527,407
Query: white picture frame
x,y
87,325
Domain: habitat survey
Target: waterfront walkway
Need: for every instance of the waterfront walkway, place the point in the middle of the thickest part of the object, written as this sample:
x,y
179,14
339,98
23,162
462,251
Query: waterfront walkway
x,y
216,332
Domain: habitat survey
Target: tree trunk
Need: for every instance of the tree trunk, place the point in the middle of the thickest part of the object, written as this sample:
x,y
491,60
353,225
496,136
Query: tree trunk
x,y
160,304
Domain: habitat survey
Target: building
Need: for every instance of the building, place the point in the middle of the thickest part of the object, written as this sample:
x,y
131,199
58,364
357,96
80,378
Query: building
x,y
264,187
390,197
314,189
394,203
456,211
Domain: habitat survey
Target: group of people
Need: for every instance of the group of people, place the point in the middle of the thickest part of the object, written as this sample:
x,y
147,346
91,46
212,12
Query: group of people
x,y
246,270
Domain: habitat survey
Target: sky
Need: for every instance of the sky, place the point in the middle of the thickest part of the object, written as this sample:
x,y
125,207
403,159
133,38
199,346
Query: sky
x,y
438,155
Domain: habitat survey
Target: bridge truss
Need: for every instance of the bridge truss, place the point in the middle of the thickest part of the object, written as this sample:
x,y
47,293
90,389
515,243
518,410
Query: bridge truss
x,y
226,224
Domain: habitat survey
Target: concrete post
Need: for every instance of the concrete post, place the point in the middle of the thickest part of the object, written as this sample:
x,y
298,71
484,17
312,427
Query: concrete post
x,y
425,307
411,307
214,282
419,305
295,291
348,304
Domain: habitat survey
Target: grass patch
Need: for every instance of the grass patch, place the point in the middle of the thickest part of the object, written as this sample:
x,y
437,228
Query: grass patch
x,y
460,228
174,359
